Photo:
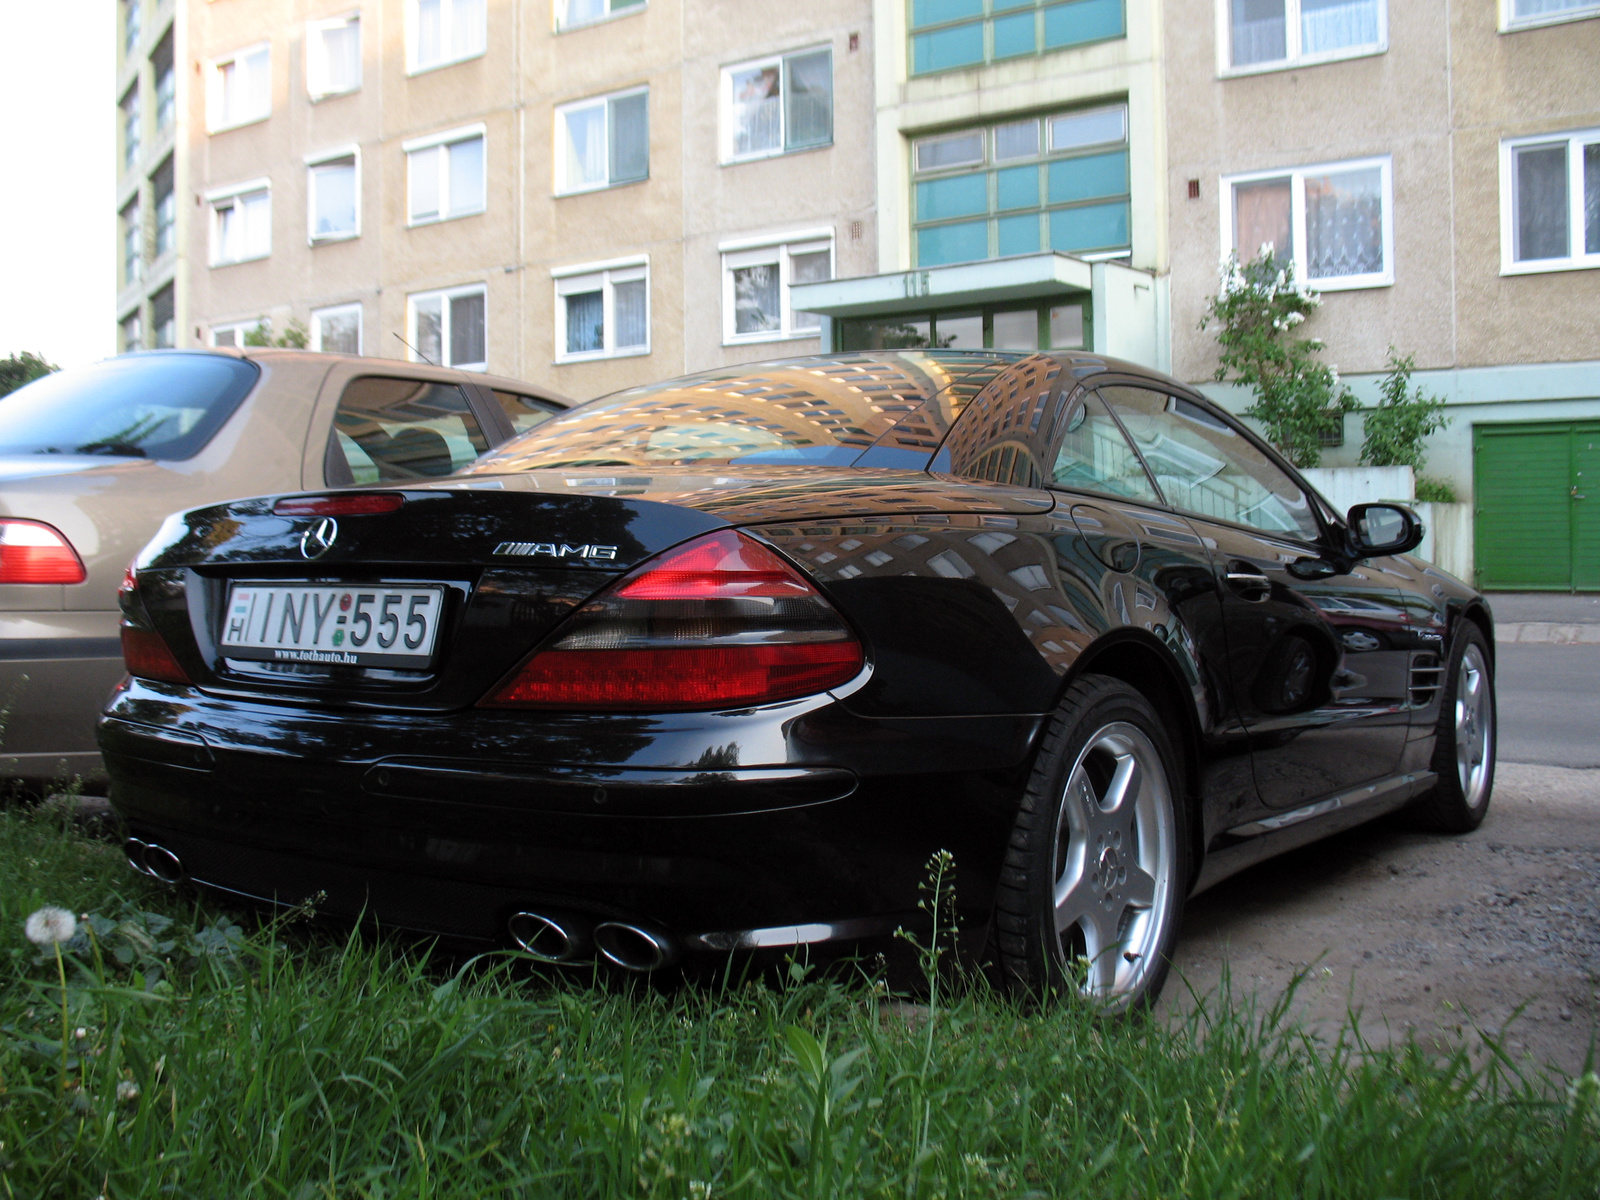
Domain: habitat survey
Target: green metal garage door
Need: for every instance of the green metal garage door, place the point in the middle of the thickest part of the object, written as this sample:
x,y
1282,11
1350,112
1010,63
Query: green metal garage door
x,y
1537,505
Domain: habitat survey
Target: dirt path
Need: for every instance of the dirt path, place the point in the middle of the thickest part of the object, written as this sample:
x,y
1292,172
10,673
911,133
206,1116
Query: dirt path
x,y
1441,935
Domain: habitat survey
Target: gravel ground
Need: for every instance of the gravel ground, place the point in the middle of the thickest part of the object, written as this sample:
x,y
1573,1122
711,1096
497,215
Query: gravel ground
x,y
1495,933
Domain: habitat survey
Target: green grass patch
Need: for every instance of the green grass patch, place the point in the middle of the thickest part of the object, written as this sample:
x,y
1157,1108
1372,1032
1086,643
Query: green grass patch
x,y
212,1057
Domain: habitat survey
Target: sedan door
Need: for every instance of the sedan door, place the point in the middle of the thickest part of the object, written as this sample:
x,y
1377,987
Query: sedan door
x,y
1317,660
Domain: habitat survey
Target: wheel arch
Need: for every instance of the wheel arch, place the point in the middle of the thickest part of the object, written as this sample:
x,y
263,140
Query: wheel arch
x,y
1479,616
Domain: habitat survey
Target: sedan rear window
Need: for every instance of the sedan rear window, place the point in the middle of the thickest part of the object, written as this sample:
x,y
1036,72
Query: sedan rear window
x,y
164,406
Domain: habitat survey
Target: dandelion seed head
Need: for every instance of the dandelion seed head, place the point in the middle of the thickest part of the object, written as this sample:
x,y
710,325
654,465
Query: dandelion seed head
x,y
127,1090
80,1033
50,925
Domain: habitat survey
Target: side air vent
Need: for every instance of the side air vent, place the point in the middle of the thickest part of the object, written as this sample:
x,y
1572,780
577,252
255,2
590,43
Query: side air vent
x,y
1425,673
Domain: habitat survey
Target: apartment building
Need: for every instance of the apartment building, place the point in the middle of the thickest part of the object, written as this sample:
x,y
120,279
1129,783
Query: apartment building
x,y
588,193
1433,168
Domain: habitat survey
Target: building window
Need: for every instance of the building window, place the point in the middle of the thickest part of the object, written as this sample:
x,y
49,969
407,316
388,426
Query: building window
x,y
776,105
440,32
132,327
1044,183
447,328
1520,14
239,334
131,127
571,14
333,56
333,196
241,222
1277,33
1334,220
161,64
603,310
337,330
756,282
946,34
240,88
162,185
445,175
1550,202
132,245
163,323
603,142
132,19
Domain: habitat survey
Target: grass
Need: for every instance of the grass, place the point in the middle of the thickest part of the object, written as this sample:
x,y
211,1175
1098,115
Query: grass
x,y
207,1059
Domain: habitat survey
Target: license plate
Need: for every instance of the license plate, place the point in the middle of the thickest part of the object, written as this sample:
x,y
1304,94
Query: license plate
x,y
373,626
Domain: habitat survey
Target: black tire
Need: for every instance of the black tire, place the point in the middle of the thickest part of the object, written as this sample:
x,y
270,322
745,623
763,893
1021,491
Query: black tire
x,y
1062,832
1460,799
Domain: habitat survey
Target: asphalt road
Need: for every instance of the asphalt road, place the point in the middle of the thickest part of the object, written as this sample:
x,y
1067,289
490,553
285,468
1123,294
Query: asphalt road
x,y
1549,698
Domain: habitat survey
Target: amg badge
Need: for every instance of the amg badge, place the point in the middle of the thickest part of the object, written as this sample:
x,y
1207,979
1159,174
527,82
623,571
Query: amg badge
x,y
555,550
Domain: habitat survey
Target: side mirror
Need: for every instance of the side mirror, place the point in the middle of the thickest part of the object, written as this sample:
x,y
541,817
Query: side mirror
x,y
1377,529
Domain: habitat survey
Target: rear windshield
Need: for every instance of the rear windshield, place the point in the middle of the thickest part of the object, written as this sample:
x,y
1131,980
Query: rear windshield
x,y
816,410
136,406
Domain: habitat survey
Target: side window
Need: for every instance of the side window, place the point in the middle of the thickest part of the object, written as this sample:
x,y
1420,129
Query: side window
x,y
396,429
1205,466
524,412
1093,454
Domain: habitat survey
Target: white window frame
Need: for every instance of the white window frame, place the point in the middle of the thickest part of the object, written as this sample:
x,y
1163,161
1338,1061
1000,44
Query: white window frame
x,y
333,310
214,94
316,56
603,103
313,161
446,12
237,192
1292,57
1580,261
613,11
602,277
1297,217
238,328
725,104
432,141
780,249
444,296
1511,23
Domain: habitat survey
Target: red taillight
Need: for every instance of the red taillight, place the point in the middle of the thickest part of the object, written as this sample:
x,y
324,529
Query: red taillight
x,y
149,657
338,506
33,552
721,622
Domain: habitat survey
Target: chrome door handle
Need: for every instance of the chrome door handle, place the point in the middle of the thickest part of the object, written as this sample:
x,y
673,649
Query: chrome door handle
x,y
1250,581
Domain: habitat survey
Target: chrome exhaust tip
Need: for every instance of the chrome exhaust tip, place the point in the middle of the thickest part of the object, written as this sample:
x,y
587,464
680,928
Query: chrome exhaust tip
x,y
546,938
632,947
161,863
134,848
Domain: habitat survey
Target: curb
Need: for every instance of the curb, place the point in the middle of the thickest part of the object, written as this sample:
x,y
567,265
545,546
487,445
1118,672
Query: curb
x,y
1549,633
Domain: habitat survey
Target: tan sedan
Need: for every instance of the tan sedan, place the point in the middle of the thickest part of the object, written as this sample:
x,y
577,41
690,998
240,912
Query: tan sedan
x,y
93,459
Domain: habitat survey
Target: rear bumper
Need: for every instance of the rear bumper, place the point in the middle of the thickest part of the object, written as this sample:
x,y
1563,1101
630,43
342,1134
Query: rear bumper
x,y
709,825
56,670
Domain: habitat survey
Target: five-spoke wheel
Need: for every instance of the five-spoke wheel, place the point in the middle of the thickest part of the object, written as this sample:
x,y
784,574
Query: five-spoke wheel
x,y
1464,739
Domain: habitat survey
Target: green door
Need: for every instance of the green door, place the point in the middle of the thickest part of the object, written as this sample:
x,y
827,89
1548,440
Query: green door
x,y
1536,522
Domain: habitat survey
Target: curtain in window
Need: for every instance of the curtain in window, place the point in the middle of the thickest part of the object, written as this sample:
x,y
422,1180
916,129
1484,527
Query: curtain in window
x,y
430,47
1261,217
429,331
1591,199
1344,224
808,268
1336,24
466,176
1260,32
334,186
467,337
1541,231
755,299
586,146
341,56
630,303
586,323
630,137
808,99
757,112
469,31
424,171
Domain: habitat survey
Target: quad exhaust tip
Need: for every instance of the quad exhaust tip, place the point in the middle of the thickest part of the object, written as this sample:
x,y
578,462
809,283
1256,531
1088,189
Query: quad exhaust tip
x,y
547,938
154,860
633,947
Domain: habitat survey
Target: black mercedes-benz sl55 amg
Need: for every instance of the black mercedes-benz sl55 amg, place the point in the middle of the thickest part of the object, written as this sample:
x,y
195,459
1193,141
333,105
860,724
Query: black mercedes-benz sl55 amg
x,y
720,663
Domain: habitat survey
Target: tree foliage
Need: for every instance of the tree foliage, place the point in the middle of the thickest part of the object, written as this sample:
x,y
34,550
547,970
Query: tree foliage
x,y
1403,419
22,369
1298,399
294,337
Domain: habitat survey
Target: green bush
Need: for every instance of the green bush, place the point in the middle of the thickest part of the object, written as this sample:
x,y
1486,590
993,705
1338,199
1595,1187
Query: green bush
x,y
1402,422
1436,491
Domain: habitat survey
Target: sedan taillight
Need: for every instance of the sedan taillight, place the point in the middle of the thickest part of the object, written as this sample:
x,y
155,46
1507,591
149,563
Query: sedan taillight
x,y
33,552
720,622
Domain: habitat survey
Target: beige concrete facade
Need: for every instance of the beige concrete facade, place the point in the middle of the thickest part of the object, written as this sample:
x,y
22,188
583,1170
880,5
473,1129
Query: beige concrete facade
x,y
677,219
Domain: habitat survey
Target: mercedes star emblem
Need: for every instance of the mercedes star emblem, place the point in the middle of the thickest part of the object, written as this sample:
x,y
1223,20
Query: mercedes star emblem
x,y
317,540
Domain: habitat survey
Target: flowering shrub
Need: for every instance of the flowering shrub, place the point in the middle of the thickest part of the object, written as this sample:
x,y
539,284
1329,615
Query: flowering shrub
x,y
1257,307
